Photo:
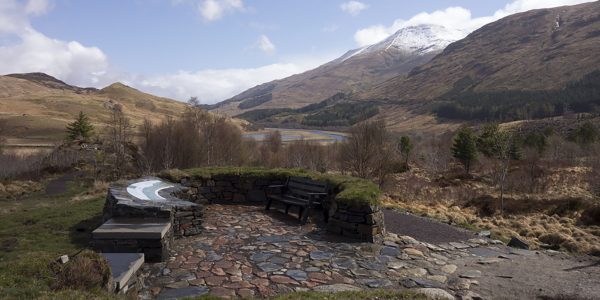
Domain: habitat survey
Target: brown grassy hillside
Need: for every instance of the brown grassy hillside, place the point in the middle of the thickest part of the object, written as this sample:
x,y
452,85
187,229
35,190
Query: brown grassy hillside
x,y
37,108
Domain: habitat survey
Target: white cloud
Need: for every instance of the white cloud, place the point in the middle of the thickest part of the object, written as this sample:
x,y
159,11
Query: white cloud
x,y
455,18
37,7
353,7
211,86
265,44
32,51
212,10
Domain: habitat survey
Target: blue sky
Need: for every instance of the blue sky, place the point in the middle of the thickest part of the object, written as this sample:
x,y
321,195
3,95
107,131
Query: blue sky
x,y
213,49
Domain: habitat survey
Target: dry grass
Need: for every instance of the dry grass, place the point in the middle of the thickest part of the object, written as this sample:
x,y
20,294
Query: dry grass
x,y
86,271
564,216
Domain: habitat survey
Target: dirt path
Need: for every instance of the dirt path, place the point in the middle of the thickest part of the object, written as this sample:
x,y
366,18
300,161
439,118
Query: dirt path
x,y
60,185
424,229
500,272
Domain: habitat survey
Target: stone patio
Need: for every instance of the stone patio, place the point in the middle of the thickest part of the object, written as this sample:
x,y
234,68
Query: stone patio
x,y
244,251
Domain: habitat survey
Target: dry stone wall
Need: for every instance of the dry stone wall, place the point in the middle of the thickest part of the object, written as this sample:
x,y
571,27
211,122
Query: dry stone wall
x,y
358,221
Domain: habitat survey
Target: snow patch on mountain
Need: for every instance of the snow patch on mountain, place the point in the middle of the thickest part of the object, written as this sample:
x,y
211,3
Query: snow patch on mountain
x,y
417,40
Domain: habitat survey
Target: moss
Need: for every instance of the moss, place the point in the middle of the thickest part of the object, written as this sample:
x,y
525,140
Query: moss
x,y
349,190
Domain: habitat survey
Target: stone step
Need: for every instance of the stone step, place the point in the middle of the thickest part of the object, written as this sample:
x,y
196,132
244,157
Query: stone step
x,y
144,235
138,229
124,267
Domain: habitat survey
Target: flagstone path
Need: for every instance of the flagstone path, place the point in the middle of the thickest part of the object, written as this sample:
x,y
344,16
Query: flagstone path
x,y
245,251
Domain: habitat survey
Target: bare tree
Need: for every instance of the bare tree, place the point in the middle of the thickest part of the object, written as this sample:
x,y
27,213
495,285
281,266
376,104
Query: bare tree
x,y
119,137
367,152
3,130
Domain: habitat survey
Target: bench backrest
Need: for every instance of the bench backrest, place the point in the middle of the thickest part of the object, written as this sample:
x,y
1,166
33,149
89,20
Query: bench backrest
x,y
300,187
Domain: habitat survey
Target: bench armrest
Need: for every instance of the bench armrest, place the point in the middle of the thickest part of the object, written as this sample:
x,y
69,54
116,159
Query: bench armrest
x,y
274,186
317,194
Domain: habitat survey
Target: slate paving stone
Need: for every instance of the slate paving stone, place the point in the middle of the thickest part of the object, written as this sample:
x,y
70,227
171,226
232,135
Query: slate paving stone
x,y
243,252
390,251
320,255
372,266
297,275
269,267
168,294
261,256
343,263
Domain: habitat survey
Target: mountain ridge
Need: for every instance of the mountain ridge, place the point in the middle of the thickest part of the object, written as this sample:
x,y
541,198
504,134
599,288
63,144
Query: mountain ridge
x,y
353,72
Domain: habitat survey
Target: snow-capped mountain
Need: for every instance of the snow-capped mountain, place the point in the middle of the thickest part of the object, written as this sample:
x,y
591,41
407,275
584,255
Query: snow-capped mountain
x,y
419,40
355,71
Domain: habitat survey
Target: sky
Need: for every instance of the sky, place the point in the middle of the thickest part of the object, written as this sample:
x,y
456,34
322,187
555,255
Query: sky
x,y
213,49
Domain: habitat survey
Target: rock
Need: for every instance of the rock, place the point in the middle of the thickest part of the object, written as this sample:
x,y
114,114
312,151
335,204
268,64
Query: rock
x,y
478,241
372,266
426,283
376,283
460,284
389,251
178,285
471,274
245,293
63,259
517,243
396,265
470,295
459,245
438,278
415,272
339,287
413,252
222,292
320,255
168,294
485,233
434,293
343,263
261,256
297,275
268,267
283,279
489,261
449,269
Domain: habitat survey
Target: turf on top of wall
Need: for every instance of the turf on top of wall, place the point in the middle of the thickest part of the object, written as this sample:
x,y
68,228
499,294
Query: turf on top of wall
x,y
349,190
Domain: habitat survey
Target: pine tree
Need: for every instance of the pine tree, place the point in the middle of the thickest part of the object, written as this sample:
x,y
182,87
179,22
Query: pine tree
x,y
81,128
464,148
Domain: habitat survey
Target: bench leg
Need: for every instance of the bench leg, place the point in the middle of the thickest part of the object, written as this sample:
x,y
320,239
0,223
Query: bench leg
x,y
304,215
269,204
287,208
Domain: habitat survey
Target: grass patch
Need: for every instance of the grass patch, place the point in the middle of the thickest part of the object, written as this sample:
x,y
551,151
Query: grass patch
x,y
350,190
34,231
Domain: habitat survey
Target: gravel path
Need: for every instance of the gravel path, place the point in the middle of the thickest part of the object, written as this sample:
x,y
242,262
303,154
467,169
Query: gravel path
x,y
423,229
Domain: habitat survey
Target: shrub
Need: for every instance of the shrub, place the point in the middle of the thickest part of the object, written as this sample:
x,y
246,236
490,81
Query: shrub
x,y
86,271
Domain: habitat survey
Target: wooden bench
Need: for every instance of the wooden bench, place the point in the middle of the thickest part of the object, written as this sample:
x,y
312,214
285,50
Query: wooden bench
x,y
299,191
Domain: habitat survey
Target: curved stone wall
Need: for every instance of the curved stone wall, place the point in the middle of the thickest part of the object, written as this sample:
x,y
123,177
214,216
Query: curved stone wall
x,y
358,221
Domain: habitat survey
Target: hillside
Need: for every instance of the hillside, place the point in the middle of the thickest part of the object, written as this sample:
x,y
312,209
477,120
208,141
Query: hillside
x,y
37,107
522,61
355,71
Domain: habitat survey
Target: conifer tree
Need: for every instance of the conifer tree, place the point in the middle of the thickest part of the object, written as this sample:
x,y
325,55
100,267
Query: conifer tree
x,y
464,148
81,128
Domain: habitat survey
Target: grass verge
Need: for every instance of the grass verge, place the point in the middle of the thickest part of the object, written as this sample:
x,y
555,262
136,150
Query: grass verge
x,y
37,229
